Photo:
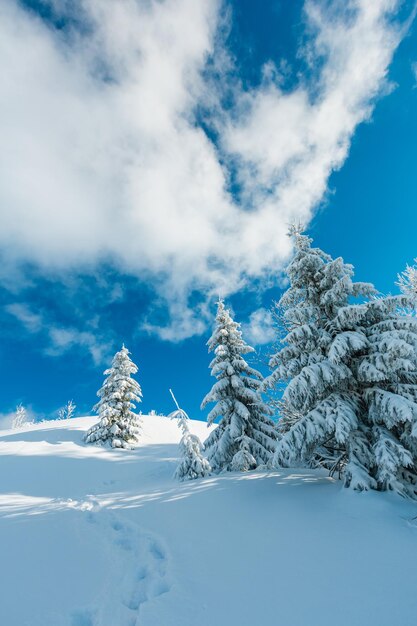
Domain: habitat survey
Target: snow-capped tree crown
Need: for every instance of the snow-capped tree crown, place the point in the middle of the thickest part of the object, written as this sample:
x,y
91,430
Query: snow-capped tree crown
x,y
319,287
119,391
227,336
182,420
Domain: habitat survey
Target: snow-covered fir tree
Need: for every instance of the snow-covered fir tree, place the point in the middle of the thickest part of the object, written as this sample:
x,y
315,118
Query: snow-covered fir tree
x,y
351,376
67,411
245,436
20,417
192,462
318,287
118,426
382,451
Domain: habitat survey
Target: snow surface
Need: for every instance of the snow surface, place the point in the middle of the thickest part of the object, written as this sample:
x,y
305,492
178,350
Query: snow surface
x,y
97,537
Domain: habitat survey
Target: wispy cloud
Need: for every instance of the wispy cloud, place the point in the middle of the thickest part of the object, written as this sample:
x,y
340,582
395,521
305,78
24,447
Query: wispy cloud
x,y
59,339
259,329
64,339
286,144
31,321
103,157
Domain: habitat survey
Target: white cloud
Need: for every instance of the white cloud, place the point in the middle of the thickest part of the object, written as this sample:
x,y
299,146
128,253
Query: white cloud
x,y
59,339
287,144
64,339
101,155
185,322
31,321
259,329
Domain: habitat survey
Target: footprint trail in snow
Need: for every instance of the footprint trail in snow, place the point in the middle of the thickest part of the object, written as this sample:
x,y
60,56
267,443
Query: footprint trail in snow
x,y
138,573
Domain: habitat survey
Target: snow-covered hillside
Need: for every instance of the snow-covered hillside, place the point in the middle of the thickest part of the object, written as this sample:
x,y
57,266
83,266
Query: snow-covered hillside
x,y
98,537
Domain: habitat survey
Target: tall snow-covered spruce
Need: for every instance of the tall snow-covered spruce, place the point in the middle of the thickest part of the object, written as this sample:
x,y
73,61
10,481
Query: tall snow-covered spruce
x,y
245,435
319,287
192,462
118,426
350,372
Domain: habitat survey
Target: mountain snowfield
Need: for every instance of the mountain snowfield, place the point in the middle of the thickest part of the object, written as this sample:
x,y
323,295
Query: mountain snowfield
x,y
98,537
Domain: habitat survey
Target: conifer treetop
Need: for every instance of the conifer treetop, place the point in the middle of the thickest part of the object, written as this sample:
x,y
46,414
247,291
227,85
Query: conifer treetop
x,y
227,332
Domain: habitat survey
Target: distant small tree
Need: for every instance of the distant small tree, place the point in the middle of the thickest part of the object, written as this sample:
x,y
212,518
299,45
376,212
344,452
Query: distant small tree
x,y
118,425
20,417
192,463
407,280
67,411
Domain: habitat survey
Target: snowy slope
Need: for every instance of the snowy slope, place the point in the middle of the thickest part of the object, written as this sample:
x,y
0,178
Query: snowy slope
x,y
96,537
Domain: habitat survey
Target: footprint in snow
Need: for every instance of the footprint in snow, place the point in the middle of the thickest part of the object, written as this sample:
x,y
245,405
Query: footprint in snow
x,y
149,577
83,617
139,568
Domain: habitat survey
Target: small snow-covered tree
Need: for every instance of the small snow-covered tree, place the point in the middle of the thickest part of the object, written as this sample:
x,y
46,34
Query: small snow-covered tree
x,y
20,417
355,399
245,436
67,411
192,463
118,426
407,280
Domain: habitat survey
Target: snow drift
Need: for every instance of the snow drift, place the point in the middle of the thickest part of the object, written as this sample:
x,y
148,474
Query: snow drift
x,y
98,537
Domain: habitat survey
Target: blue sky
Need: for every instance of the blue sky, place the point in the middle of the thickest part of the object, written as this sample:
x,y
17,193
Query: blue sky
x,y
153,155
